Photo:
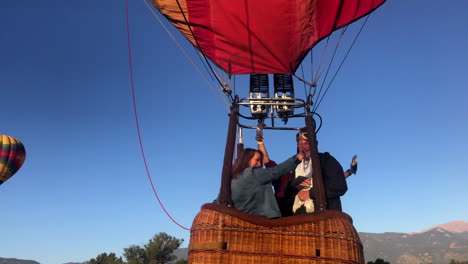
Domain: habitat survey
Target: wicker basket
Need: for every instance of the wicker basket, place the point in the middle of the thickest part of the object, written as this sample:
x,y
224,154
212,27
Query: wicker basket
x,y
224,235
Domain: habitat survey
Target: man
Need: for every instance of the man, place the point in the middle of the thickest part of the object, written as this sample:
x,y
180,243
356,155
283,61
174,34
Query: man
x,y
295,194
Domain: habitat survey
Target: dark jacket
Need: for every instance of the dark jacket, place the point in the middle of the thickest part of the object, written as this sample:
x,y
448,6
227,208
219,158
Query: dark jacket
x,y
333,180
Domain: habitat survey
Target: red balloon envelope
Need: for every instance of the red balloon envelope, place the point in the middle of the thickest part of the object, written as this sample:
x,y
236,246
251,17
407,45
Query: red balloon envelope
x,y
12,156
260,36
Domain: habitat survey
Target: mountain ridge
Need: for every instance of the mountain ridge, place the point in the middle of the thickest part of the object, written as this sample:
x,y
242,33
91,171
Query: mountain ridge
x,y
436,245
453,226
17,261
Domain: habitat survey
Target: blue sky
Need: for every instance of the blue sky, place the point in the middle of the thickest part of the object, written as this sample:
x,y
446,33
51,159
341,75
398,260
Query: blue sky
x,y
399,102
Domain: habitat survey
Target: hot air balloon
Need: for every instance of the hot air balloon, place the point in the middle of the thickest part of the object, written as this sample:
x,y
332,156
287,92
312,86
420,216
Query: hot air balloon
x,y
262,37
12,156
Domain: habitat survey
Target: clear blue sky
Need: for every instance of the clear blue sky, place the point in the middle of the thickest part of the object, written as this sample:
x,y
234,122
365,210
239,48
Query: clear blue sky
x,y
400,103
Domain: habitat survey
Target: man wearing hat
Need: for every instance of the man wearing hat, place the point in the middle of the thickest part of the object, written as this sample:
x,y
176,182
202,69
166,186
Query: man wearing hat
x,y
294,191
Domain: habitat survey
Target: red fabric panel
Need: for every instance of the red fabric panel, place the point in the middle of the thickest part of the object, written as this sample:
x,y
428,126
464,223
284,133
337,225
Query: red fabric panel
x,y
268,36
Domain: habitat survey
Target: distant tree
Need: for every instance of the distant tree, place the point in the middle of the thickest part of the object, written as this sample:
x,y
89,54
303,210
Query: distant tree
x,y
106,259
158,250
182,261
378,261
135,255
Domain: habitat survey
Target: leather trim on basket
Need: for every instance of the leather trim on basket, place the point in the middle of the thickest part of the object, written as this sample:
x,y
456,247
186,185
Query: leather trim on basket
x,y
283,221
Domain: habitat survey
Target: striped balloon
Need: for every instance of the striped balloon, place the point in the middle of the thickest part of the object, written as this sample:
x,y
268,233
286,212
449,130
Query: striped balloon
x,y
12,155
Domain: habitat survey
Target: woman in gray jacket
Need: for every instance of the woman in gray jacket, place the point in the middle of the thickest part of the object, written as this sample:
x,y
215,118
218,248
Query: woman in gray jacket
x,y
251,189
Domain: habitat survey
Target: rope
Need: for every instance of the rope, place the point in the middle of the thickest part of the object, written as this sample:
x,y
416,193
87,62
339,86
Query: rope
x,y
136,118
188,58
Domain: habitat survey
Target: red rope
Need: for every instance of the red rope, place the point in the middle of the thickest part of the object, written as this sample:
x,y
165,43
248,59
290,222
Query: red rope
x,y
137,122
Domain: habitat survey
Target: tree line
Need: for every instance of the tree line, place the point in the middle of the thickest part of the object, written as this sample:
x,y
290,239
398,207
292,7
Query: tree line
x,y
158,250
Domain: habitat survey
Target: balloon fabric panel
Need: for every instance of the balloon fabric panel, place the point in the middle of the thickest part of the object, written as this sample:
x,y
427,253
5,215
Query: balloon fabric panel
x,y
261,36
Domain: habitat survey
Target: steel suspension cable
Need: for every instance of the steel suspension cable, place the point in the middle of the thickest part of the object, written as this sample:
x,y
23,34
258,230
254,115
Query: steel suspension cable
x,y
342,61
330,62
226,105
196,42
303,76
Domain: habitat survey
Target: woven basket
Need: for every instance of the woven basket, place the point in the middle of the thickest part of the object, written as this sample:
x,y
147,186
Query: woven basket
x,y
224,235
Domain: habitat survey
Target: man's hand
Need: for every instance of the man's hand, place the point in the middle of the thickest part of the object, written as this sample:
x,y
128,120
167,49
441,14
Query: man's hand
x,y
306,183
299,182
353,167
304,195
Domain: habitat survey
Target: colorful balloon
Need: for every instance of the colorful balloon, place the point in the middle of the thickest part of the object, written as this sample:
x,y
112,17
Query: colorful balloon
x,y
12,156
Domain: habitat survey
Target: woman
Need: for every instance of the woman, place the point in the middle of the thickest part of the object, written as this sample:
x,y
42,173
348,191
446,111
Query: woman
x,y
251,189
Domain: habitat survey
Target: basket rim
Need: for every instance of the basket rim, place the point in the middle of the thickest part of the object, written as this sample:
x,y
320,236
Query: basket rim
x,y
283,221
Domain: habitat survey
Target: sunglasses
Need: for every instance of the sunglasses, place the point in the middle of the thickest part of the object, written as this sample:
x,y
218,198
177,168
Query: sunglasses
x,y
302,135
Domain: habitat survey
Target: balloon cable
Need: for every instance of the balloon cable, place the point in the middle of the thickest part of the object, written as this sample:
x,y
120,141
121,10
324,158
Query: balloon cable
x,y
137,122
329,63
197,45
343,60
188,57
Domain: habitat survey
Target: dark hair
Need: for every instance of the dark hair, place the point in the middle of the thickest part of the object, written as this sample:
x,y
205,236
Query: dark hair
x,y
242,162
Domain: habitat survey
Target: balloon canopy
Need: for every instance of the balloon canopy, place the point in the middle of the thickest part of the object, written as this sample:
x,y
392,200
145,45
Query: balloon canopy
x,y
260,36
12,156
